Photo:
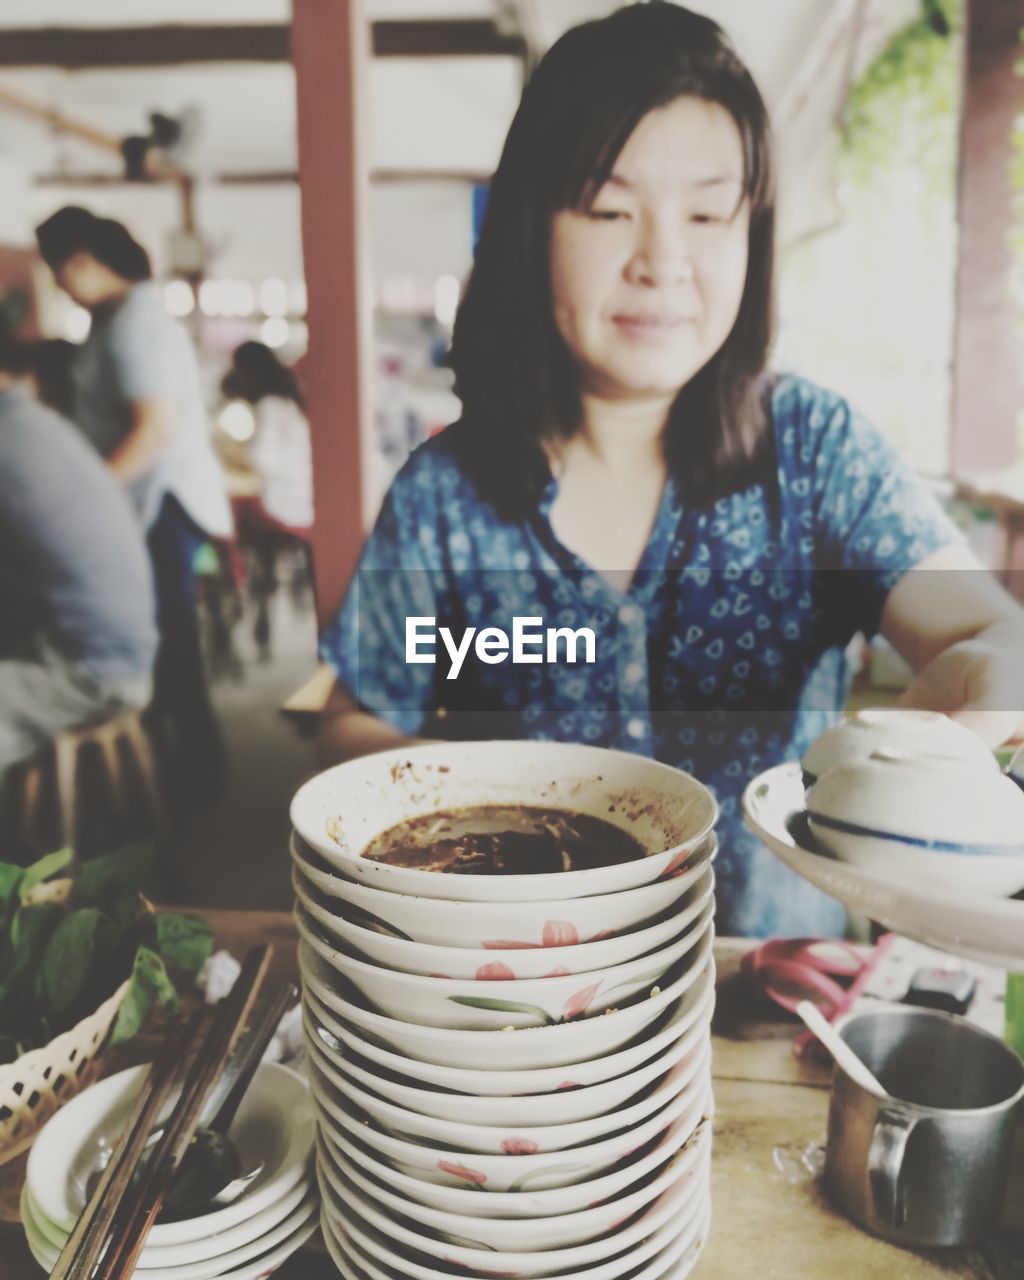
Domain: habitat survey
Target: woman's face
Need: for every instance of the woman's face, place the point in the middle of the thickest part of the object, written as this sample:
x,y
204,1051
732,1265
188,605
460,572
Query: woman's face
x,y
646,281
87,281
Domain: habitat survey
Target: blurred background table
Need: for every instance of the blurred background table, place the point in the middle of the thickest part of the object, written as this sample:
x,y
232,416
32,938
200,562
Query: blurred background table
x,y
770,1213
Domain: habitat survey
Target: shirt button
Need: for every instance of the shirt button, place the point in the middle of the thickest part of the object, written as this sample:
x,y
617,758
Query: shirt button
x,y
634,671
636,728
629,613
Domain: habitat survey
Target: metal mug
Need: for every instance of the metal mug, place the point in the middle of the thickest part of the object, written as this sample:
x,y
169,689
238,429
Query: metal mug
x,y
926,1164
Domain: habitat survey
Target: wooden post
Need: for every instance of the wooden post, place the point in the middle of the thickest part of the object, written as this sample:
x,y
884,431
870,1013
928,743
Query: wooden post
x,y
988,390
330,51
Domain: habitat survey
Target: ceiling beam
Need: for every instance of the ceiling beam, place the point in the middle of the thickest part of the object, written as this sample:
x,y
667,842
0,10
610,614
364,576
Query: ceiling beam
x,y
79,48
265,177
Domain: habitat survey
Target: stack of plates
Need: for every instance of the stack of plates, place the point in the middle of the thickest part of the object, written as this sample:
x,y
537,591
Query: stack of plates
x,y
511,1074
245,1240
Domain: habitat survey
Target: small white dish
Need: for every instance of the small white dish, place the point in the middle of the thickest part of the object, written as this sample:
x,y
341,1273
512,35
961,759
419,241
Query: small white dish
x,y
199,1250
520,1049
894,728
963,922
526,1137
566,1082
472,1004
274,1124
341,811
923,819
403,955
560,1107
259,1257
503,927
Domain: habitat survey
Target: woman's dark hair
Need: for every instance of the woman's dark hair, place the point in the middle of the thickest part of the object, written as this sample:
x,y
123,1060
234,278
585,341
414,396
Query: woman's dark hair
x,y
256,372
74,230
513,372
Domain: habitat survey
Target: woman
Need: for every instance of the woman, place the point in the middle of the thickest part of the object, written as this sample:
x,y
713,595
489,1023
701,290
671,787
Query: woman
x,y
280,450
138,399
625,464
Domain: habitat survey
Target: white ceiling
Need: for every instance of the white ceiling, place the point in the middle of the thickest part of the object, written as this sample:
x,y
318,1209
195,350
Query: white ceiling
x,y
422,114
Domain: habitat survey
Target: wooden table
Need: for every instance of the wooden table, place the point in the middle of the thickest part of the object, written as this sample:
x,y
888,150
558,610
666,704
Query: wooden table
x,y
771,1219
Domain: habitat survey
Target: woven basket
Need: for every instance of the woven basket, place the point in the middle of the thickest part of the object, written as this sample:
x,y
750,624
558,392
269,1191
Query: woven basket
x,y
37,1083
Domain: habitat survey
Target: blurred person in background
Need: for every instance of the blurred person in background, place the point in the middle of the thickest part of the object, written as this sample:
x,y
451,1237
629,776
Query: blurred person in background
x,y
279,516
138,399
78,632
279,451
52,365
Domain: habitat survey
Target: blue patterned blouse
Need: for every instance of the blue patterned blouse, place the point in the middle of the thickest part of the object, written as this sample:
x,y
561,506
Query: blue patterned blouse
x,y
724,657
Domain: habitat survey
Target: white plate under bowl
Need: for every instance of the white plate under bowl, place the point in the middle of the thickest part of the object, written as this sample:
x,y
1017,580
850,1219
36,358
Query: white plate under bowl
x,y
976,926
192,1251
254,1261
340,812
274,1124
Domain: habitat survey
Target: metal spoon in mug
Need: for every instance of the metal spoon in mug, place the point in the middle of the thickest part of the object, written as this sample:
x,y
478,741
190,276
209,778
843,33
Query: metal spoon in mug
x,y
209,1175
838,1048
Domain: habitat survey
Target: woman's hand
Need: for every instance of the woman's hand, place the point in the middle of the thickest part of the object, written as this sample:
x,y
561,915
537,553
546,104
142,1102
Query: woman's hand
x,y
964,636
979,682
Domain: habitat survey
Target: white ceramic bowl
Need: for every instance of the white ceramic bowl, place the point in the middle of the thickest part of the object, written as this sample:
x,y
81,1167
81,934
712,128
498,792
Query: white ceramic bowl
x,y
259,1256
524,1138
669,1253
567,1200
205,1247
559,1232
503,926
893,728
405,956
440,1163
345,1203
274,1124
929,820
341,811
520,1050
563,1106
567,1082
478,1005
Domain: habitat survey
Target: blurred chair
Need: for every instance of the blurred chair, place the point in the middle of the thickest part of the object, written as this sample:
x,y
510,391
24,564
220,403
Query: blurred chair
x,y
94,780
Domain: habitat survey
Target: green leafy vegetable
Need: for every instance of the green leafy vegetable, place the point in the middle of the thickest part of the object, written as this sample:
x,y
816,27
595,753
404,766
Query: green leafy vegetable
x,y
184,941
60,961
149,986
43,870
101,879
68,958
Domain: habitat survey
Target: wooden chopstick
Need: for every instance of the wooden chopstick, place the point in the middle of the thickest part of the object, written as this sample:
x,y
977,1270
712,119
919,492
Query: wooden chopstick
x,y
141,1206
89,1234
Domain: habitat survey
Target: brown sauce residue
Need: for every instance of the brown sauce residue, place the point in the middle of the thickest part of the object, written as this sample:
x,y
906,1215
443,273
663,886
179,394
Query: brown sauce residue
x,y
511,840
